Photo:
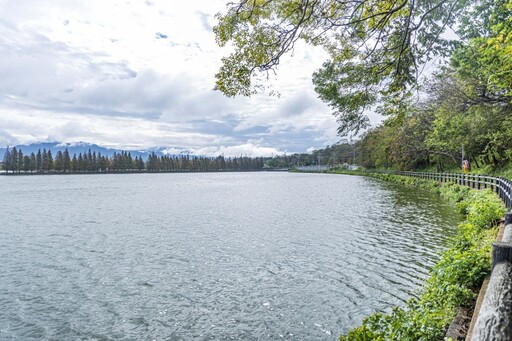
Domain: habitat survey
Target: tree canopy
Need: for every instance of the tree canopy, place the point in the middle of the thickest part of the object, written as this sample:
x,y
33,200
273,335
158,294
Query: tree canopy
x,y
377,51
377,48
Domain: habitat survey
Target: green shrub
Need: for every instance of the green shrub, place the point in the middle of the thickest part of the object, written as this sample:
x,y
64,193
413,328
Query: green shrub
x,y
484,209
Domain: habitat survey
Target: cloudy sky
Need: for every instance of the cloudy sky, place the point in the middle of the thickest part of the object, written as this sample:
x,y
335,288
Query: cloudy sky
x,y
140,74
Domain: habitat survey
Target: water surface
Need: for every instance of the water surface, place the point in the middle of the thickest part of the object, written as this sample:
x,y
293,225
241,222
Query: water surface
x,y
218,256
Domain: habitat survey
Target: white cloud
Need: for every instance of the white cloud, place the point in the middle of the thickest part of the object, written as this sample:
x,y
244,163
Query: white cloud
x,y
7,139
246,149
102,72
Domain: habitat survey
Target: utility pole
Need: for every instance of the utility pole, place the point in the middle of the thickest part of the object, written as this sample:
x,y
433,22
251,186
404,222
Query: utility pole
x,y
462,161
463,181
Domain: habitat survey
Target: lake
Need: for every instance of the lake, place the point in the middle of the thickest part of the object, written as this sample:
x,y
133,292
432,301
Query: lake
x,y
209,256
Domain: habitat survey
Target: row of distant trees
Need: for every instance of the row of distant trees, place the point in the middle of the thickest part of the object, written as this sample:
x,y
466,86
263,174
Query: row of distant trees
x,y
337,154
16,161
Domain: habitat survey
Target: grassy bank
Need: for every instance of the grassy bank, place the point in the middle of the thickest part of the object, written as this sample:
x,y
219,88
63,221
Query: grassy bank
x,y
455,279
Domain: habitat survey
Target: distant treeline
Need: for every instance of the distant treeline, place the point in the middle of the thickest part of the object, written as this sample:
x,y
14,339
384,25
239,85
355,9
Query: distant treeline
x,y
15,161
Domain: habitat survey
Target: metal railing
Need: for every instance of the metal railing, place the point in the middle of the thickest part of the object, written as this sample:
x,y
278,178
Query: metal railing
x,y
494,318
501,186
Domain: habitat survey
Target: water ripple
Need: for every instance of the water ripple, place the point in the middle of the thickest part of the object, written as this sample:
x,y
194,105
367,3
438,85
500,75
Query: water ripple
x,y
246,256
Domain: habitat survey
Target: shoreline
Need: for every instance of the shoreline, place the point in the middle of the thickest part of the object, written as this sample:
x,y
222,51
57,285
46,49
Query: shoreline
x,y
464,315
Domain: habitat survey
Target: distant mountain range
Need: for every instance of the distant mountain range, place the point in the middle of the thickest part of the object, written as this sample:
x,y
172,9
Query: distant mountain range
x,y
76,148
